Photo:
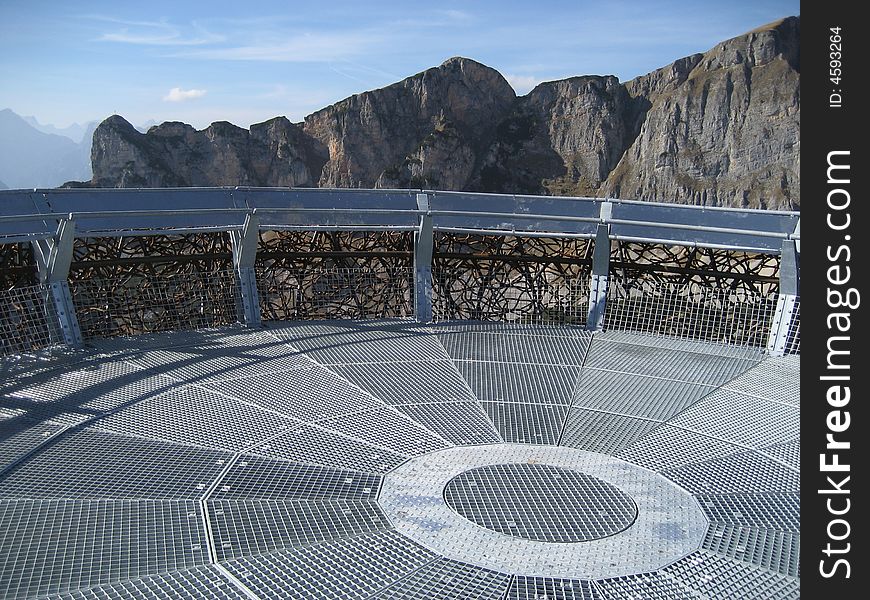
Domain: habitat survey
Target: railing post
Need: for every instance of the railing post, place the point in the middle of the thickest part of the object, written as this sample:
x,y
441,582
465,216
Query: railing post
x,y
600,277
244,255
789,289
53,258
423,248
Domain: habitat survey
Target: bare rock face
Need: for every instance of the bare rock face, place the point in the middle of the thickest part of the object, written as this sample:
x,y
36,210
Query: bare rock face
x,y
424,130
172,154
564,138
718,128
725,131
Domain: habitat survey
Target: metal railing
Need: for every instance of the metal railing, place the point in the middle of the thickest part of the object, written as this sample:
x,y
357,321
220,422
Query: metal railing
x,y
417,283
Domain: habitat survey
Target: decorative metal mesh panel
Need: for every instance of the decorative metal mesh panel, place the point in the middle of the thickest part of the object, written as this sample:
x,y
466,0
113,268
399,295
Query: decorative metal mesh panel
x,y
755,274
335,275
515,279
132,285
27,319
17,266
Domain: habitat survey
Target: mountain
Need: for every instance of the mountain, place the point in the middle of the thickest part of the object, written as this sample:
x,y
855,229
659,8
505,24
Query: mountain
x,y
3,186
720,128
30,158
143,127
75,132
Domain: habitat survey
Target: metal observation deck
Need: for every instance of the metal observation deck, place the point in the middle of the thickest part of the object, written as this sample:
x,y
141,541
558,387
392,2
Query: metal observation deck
x,y
284,393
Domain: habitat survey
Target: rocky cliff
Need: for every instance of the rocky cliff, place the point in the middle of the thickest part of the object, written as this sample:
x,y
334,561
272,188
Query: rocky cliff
x,y
719,128
274,153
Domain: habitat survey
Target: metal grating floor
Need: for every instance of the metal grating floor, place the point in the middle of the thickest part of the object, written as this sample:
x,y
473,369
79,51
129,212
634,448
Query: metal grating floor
x,y
232,463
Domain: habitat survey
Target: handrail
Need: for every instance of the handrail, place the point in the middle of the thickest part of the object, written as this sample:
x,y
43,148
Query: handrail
x,y
712,229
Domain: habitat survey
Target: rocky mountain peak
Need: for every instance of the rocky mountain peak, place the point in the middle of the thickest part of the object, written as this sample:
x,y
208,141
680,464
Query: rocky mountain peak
x,y
718,128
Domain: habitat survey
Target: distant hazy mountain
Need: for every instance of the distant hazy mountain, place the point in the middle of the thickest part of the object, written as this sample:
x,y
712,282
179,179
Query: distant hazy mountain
x,y
143,127
31,158
3,186
75,132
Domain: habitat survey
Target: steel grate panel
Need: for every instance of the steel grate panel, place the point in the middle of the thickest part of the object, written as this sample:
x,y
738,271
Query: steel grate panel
x,y
677,365
228,337
315,445
680,344
504,382
352,568
198,583
716,577
83,381
197,416
770,382
31,368
527,423
746,472
267,479
778,551
351,343
788,453
529,349
669,447
108,465
635,395
409,382
741,419
540,502
307,394
510,328
388,428
540,588
199,365
19,436
54,546
646,586
99,399
461,423
763,511
446,579
251,527
603,432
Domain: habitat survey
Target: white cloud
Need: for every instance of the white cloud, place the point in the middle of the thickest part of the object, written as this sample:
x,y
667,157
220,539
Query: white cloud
x,y
155,33
522,84
455,15
180,95
307,47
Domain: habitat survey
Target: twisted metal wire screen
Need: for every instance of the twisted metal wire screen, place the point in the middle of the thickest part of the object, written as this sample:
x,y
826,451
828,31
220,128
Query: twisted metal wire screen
x,y
133,285
17,266
335,275
513,279
141,304
336,293
748,272
28,320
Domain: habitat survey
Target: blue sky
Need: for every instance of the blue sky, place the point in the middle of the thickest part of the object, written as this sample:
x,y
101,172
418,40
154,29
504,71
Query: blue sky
x,y
246,62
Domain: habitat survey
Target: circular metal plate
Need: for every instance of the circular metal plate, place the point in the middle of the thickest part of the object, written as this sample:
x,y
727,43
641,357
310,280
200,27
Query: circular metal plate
x,y
540,502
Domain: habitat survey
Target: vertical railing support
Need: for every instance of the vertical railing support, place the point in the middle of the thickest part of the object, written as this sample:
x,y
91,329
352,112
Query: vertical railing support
x,y
53,257
423,249
600,277
244,254
789,290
